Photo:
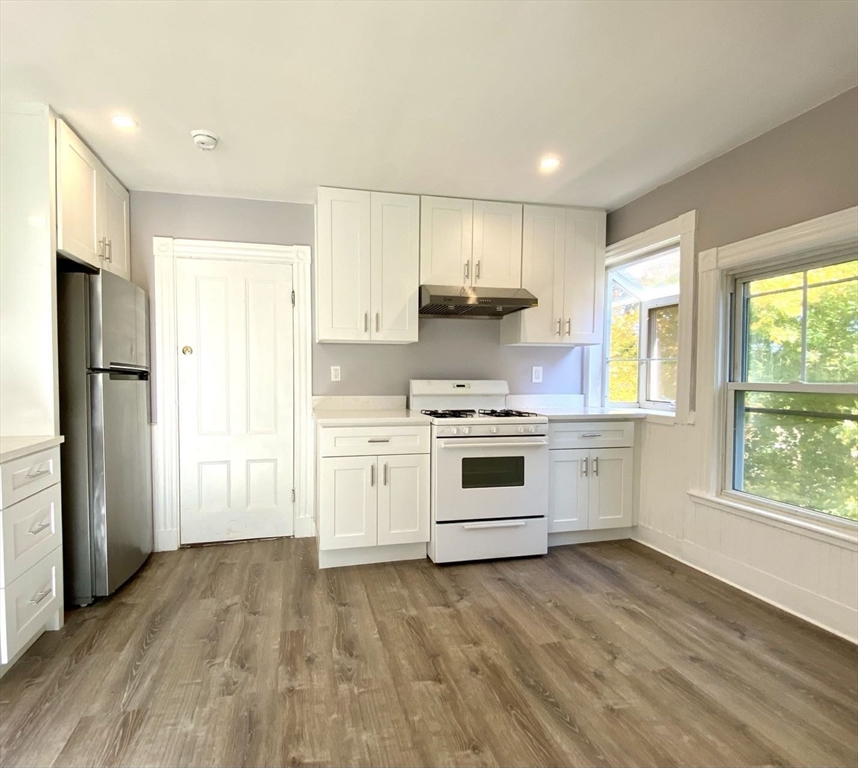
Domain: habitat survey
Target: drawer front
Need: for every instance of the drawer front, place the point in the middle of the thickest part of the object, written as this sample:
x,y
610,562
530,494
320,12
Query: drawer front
x,y
28,602
23,477
591,434
30,530
372,441
456,542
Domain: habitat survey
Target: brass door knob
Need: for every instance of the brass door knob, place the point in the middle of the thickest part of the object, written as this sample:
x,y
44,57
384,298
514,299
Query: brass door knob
x,y
187,351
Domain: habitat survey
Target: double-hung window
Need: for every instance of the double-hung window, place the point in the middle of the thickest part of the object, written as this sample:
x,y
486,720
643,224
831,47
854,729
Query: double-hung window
x,y
643,331
793,389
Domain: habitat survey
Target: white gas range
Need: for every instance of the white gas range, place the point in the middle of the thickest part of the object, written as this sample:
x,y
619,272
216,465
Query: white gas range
x,y
489,493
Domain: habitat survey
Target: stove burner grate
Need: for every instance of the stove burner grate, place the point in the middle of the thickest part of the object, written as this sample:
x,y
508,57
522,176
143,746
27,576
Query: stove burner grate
x,y
450,414
506,413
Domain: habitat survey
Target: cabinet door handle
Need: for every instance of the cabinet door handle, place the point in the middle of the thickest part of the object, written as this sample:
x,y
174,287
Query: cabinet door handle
x,y
371,475
378,321
559,324
109,251
38,529
568,326
478,269
366,322
467,269
584,467
596,467
379,440
39,596
102,247
385,474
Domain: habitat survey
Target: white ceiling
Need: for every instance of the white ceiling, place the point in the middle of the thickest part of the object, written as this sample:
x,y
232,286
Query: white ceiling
x,y
437,97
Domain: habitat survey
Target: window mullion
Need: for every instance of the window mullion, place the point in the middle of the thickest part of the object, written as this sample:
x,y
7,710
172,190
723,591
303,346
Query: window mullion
x,y
803,372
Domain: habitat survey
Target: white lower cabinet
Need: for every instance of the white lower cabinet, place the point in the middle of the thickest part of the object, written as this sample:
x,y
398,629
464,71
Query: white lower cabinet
x,y
591,488
31,552
367,502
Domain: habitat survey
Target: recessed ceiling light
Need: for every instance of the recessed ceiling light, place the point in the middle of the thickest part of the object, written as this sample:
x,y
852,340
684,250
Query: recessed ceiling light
x,y
549,164
123,121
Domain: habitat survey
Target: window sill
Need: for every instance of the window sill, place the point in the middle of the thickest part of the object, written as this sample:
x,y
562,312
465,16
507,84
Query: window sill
x,y
841,532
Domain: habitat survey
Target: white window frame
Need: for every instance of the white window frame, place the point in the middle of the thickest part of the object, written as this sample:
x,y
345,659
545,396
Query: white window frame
x,y
735,385
718,271
679,231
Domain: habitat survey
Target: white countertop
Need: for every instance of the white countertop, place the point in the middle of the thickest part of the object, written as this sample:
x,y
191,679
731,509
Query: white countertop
x,y
15,447
587,414
365,417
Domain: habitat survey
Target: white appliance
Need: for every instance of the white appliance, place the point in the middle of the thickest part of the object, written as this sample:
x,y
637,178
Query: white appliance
x,y
489,494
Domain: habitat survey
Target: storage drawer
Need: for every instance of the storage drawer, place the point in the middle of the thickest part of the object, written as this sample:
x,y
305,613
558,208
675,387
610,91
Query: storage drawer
x,y
30,530
487,539
591,434
372,441
28,602
23,477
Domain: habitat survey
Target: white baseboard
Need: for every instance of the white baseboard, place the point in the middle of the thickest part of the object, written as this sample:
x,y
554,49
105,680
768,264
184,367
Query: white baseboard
x,y
167,540
586,537
336,558
827,614
304,527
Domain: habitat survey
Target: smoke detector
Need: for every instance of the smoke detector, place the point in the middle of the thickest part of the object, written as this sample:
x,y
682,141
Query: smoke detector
x,y
205,140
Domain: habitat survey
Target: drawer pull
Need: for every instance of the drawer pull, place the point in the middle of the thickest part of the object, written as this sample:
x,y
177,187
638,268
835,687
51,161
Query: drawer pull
x,y
37,475
36,531
592,434
379,440
510,524
39,596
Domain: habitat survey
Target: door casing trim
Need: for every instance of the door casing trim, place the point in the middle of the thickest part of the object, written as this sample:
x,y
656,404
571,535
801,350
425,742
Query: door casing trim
x,y
165,412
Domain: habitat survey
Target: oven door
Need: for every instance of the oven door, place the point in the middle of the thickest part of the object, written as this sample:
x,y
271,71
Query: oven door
x,y
478,478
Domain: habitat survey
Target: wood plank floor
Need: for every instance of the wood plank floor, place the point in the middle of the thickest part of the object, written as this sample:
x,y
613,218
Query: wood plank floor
x,y
603,654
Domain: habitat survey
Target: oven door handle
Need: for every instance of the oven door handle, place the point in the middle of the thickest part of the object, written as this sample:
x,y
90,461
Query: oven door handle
x,y
465,443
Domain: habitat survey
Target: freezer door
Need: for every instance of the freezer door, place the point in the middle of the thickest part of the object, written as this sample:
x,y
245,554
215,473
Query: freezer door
x,y
121,478
118,323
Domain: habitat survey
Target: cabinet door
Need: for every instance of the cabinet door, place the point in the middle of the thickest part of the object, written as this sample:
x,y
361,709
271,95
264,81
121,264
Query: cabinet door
x,y
403,499
541,274
348,502
343,265
395,237
77,193
611,483
113,211
568,491
584,276
446,228
497,244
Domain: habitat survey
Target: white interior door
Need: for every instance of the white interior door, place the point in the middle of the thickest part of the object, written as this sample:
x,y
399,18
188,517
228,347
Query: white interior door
x,y
235,399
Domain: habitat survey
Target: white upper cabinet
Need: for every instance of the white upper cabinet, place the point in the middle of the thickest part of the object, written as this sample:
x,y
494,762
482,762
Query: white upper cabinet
x,y
92,208
395,266
116,225
585,276
563,265
497,245
343,281
367,266
77,198
446,241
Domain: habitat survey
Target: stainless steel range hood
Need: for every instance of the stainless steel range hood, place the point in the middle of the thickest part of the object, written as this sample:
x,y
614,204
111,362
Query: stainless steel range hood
x,y
464,301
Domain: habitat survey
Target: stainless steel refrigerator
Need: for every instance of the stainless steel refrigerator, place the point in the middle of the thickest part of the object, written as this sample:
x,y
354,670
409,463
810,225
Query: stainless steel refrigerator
x,y
104,417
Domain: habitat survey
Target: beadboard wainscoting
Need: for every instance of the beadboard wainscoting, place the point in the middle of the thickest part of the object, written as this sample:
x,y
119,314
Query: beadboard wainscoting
x,y
811,576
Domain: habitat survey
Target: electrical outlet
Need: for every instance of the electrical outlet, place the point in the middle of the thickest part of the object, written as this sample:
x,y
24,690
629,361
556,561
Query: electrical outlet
x,y
536,376
335,373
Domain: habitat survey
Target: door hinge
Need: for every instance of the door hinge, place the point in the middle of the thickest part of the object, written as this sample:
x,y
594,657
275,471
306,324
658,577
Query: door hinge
x,y
293,495
293,298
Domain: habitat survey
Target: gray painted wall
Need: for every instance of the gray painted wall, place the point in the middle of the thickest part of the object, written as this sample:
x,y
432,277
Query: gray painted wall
x,y
447,348
805,168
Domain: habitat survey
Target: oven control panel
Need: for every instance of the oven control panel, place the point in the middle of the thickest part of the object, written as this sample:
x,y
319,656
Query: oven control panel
x,y
486,430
